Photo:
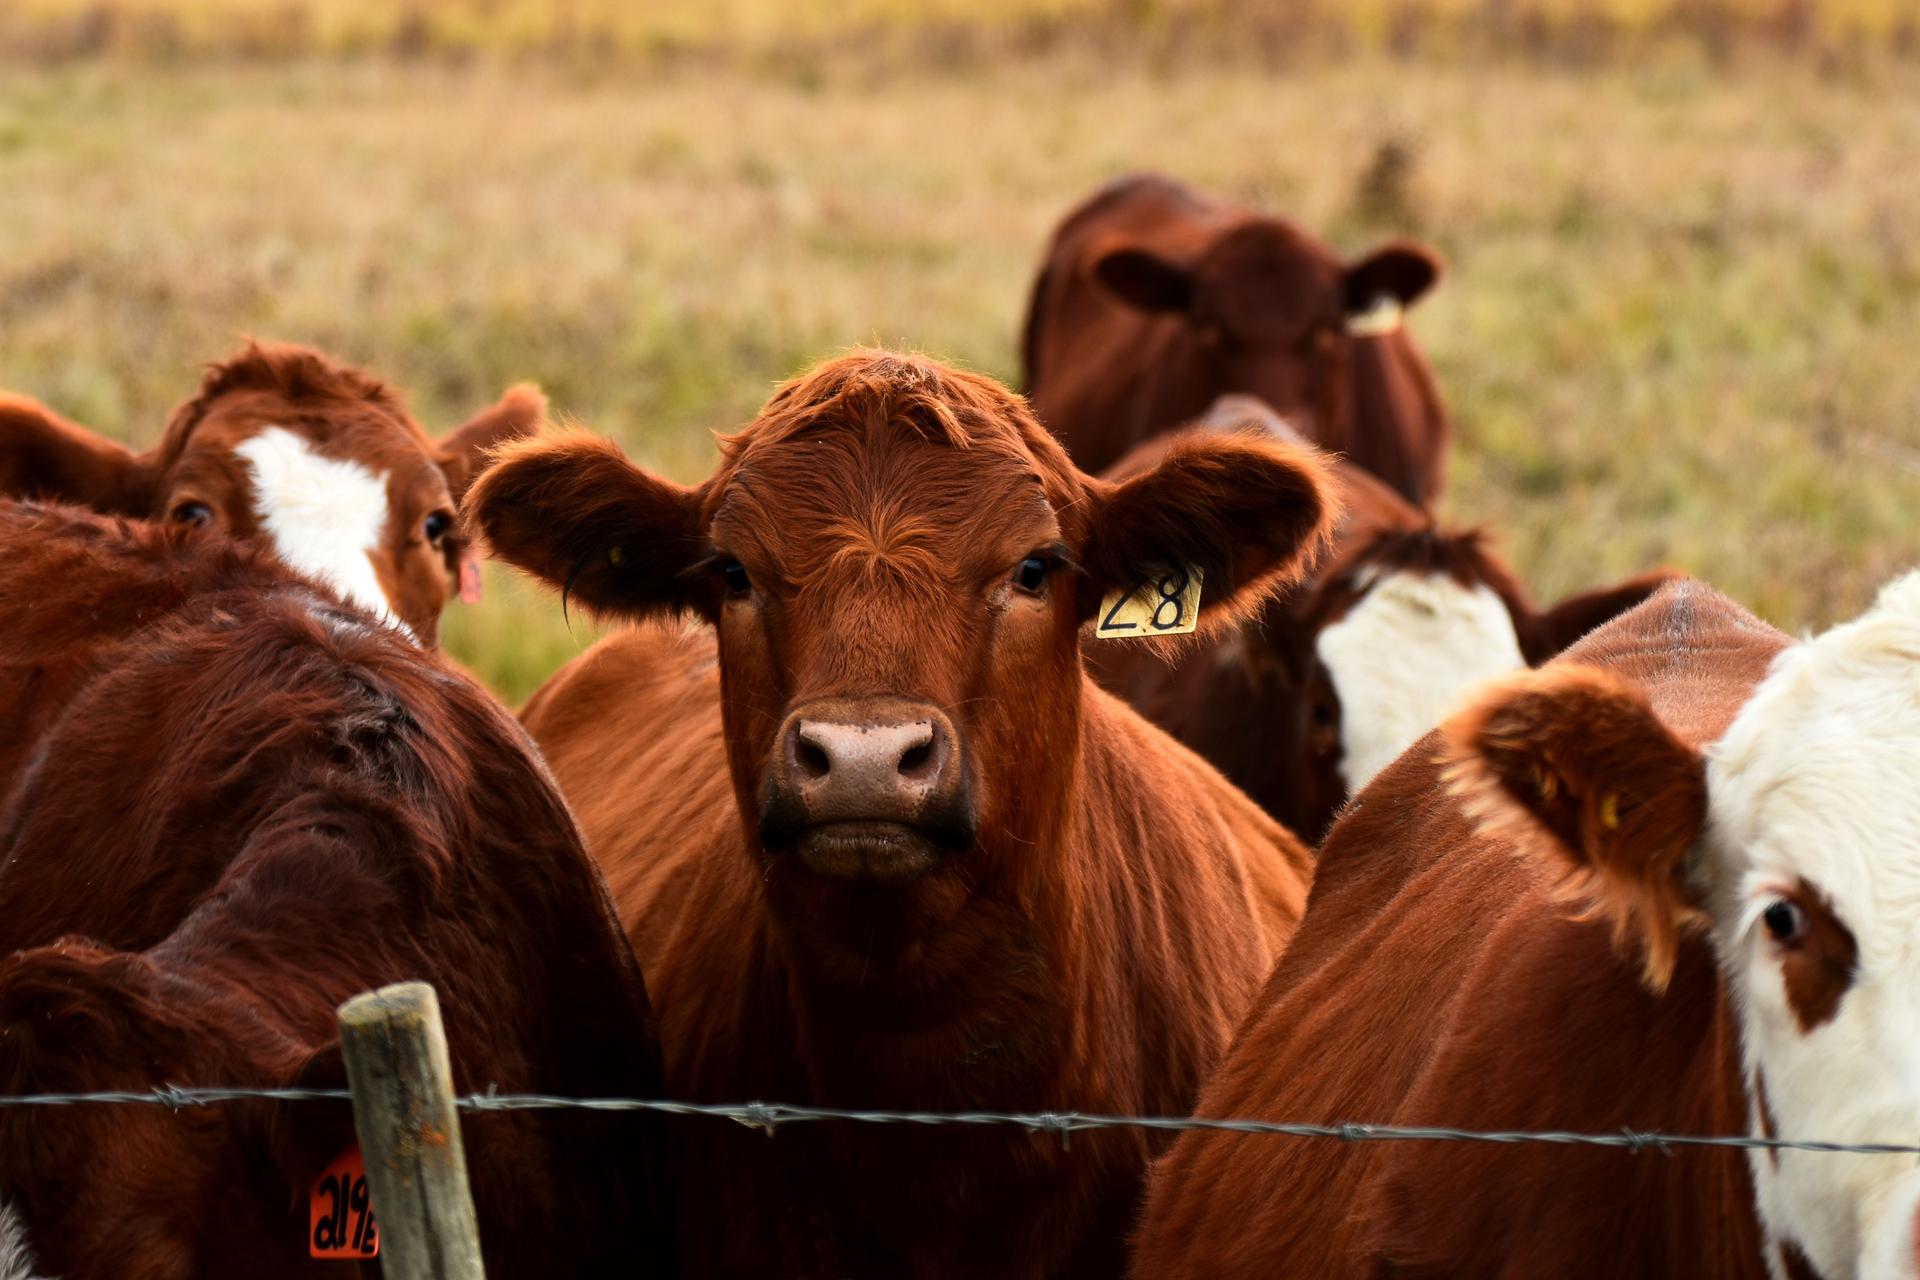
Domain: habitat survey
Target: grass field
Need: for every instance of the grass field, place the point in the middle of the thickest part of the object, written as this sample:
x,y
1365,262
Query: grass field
x,y
1682,324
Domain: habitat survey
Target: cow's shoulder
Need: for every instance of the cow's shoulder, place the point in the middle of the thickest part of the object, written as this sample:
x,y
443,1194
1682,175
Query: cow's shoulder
x,y
1439,980
632,728
1215,864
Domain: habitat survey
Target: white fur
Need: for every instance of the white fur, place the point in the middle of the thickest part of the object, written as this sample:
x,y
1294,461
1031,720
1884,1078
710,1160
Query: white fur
x,y
1818,779
324,515
1236,410
16,1255
1405,656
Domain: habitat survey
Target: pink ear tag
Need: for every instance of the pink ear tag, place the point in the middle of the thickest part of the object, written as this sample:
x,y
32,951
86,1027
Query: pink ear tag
x,y
469,579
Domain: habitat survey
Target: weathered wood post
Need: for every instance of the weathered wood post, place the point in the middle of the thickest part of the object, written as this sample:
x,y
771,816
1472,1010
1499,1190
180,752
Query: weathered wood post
x,y
396,1055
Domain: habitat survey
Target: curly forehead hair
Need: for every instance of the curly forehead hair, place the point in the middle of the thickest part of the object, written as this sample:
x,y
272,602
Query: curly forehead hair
x,y
298,373
875,391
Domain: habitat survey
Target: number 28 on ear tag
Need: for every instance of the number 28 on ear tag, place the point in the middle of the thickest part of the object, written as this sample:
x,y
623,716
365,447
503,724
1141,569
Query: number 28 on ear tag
x,y
340,1211
1166,604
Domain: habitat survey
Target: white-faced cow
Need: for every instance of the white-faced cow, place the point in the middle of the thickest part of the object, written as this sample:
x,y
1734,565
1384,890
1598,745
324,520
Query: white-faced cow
x,y
286,446
1303,704
227,804
1671,883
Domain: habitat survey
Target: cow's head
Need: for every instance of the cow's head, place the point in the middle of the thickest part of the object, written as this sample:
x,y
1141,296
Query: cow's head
x,y
1277,310
1395,632
288,447
1383,640
1796,840
899,562
121,1190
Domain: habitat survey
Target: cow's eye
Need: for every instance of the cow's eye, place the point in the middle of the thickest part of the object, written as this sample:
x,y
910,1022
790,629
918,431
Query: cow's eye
x,y
1031,574
195,513
1787,921
436,526
734,574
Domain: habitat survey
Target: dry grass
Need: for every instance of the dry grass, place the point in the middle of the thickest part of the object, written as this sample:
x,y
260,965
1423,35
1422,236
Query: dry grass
x,y
170,30
1680,325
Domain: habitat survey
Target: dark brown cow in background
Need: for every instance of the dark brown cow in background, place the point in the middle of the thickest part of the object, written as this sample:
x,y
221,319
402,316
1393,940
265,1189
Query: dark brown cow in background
x,y
878,840
1521,940
288,447
228,803
1303,704
1154,299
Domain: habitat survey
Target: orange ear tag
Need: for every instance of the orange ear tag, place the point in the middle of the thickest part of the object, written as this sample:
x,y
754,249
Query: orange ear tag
x,y
340,1211
1166,604
469,579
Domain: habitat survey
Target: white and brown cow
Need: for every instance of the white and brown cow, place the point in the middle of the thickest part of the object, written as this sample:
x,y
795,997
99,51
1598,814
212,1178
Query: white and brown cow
x,y
1399,621
286,446
1672,884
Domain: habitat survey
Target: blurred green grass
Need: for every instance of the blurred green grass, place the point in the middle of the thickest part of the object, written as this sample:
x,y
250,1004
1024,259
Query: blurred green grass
x,y
1679,327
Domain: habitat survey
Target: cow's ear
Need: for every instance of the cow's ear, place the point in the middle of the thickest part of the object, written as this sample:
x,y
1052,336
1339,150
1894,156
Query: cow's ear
x,y
1402,270
1248,513
1144,279
42,455
304,1140
1573,617
521,412
1572,765
290,1147
570,509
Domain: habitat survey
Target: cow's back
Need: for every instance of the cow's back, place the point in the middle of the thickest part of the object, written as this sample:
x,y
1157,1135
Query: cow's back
x,y
228,803
1437,981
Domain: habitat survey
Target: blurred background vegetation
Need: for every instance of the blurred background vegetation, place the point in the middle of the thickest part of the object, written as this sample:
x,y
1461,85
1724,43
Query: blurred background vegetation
x,y
1682,323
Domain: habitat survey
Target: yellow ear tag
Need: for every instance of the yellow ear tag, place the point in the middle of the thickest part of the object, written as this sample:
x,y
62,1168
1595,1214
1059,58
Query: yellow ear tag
x,y
1166,604
1382,317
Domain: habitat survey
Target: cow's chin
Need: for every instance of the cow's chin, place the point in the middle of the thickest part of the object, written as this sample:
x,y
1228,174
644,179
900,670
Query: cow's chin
x,y
884,854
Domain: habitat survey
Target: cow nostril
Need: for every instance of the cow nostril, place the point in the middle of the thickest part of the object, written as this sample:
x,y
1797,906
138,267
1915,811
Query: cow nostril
x,y
813,760
915,757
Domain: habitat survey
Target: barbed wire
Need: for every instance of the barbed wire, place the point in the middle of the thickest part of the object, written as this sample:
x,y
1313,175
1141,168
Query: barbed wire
x,y
769,1116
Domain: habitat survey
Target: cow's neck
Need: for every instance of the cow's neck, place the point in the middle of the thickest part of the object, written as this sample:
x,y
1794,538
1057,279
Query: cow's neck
x,y
984,1010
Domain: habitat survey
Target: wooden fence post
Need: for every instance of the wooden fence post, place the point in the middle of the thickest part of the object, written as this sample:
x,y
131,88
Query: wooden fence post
x,y
403,1111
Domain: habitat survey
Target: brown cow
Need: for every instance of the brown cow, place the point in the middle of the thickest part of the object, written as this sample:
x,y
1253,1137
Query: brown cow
x,y
289,447
877,839
1154,298
1743,965
1337,676
227,803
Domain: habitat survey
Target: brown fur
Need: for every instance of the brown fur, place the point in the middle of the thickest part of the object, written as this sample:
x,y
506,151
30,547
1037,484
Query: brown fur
x,y
344,412
1763,1110
1818,968
1439,979
1794,1263
226,805
1153,299
1584,754
1255,700
1092,949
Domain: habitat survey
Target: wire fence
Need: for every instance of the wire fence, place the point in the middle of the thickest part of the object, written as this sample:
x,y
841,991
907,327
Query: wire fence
x,y
769,1116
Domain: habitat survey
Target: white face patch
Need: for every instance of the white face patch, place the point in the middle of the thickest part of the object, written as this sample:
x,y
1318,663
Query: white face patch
x,y
1818,782
324,515
1405,657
